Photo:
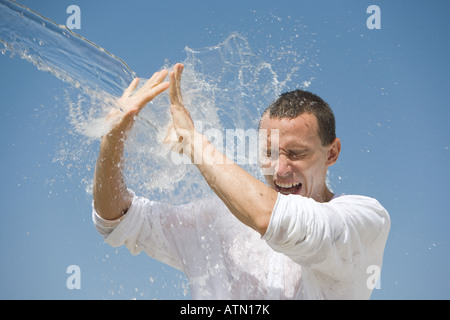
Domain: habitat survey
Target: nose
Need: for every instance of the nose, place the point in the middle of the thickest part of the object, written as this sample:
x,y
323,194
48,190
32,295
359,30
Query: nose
x,y
283,167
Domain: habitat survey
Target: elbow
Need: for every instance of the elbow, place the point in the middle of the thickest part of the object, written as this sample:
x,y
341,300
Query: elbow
x,y
112,208
261,223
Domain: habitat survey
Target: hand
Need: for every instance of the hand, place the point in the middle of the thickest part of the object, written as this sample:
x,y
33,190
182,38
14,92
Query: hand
x,y
130,104
182,128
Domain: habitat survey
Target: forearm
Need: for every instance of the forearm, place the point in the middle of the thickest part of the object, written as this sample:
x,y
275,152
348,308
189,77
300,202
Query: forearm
x,y
248,198
111,197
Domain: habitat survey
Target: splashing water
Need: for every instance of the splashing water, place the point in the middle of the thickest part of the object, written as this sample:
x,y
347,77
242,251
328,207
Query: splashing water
x,y
226,86
56,49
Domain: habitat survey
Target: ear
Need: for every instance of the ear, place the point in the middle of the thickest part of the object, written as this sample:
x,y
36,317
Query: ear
x,y
333,152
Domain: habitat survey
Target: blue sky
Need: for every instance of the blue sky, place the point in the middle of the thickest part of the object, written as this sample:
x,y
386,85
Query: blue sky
x,y
389,90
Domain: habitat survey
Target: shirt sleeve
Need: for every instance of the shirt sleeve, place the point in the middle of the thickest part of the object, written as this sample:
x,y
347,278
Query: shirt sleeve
x,y
145,227
328,236
167,233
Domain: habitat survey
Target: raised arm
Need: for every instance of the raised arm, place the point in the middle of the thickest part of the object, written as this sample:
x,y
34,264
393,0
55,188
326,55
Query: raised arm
x,y
111,197
249,199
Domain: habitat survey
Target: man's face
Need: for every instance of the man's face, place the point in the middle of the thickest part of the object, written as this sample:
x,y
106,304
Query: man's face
x,y
300,163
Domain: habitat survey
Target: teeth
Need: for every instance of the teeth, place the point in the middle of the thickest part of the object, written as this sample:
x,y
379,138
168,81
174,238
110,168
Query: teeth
x,y
286,185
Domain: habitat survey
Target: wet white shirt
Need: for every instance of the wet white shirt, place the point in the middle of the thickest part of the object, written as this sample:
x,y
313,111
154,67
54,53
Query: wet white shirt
x,y
311,250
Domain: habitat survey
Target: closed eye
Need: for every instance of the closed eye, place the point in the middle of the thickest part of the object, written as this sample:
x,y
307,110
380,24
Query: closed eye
x,y
295,155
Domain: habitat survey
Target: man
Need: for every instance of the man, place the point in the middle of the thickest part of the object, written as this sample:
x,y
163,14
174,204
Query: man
x,y
292,239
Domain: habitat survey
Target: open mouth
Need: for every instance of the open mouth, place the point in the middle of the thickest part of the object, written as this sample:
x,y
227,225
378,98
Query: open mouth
x,y
288,188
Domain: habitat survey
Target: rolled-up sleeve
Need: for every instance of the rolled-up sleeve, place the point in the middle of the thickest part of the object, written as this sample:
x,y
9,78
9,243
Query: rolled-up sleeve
x,y
170,234
143,228
329,236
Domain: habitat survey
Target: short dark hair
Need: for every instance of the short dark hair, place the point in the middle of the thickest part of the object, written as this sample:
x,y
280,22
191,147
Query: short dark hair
x,y
294,103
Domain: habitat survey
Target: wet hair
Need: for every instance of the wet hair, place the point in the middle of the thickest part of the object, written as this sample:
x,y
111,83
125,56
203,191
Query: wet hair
x,y
292,104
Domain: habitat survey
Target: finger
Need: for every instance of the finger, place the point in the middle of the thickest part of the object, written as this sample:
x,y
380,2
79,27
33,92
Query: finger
x,y
175,85
154,75
150,94
158,89
131,87
151,80
156,79
179,70
172,88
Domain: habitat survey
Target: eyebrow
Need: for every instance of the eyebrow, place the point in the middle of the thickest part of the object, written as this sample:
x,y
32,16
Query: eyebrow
x,y
299,150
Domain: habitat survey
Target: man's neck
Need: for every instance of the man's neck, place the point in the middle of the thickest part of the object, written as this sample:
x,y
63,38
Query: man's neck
x,y
326,196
